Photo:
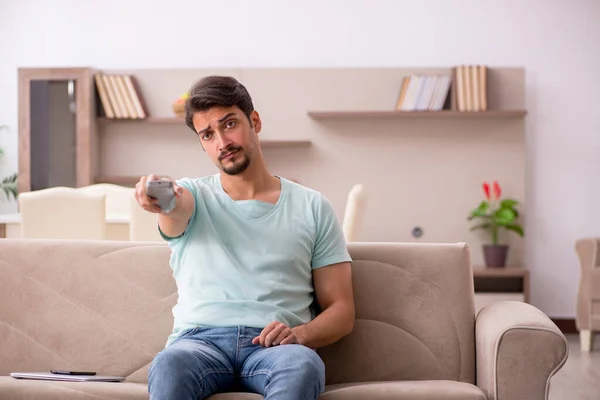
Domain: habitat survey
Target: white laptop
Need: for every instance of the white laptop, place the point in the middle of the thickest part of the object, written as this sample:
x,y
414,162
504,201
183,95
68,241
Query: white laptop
x,y
48,376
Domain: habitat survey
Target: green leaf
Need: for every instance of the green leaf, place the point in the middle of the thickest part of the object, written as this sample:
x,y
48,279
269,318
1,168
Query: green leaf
x,y
483,206
9,186
480,211
485,225
508,203
515,228
504,216
474,216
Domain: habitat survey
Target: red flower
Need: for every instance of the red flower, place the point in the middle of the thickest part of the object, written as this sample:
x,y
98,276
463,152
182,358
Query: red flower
x,y
486,190
497,190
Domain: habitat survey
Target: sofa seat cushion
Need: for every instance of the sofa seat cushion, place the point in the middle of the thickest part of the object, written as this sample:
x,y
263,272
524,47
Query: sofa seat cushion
x,y
29,389
26,389
404,390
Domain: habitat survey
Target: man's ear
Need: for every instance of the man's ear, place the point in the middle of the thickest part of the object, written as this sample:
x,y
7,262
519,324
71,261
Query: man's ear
x,y
256,122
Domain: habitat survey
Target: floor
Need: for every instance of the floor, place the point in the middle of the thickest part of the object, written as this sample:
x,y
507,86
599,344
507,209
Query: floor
x,y
579,378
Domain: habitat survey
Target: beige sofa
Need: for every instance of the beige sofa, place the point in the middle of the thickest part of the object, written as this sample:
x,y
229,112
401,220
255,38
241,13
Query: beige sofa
x,y
588,296
106,306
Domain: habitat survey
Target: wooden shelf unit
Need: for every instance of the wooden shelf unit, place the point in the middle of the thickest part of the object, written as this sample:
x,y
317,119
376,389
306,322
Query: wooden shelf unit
x,y
511,272
324,115
502,281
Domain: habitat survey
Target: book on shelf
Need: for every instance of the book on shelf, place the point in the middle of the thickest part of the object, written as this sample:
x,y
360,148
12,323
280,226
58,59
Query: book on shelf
x,y
120,96
423,92
471,88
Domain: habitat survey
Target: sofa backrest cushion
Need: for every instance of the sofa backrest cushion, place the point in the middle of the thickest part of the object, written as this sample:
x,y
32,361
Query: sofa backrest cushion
x,y
84,305
415,316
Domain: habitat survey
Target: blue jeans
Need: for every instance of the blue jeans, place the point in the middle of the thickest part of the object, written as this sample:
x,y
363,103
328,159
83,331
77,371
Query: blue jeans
x,y
204,361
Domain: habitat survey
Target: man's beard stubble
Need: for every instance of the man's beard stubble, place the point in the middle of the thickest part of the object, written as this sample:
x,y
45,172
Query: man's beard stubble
x,y
238,167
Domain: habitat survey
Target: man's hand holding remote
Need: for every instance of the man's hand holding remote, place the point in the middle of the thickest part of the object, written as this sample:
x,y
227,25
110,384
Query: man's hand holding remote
x,y
175,221
147,202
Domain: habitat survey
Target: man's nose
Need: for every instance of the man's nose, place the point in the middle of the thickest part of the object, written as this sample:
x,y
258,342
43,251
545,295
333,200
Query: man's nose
x,y
224,141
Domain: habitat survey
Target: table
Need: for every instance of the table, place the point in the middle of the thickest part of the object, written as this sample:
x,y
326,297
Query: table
x,y
117,226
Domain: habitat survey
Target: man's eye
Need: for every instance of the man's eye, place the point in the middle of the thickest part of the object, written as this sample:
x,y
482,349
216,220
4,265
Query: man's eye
x,y
206,136
230,124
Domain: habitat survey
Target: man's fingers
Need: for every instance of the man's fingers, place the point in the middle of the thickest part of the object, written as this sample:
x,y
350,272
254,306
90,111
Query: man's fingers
x,y
146,202
178,190
285,333
266,331
156,209
274,334
140,187
150,205
291,339
260,339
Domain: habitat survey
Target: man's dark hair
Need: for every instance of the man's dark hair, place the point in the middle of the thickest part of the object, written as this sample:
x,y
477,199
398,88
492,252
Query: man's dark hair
x,y
211,91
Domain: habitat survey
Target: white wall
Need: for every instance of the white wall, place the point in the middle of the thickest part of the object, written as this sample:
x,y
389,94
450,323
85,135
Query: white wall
x,y
557,42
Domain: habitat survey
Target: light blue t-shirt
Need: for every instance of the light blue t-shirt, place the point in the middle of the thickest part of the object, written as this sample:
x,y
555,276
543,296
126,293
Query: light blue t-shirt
x,y
249,262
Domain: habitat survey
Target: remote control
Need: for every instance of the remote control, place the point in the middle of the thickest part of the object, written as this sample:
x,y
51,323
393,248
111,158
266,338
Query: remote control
x,y
162,191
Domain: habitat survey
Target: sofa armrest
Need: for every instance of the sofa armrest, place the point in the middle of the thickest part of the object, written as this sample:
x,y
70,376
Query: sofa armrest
x,y
518,350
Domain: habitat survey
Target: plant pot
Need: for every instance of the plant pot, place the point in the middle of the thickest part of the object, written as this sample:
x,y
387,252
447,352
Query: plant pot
x,y
179,109
495,255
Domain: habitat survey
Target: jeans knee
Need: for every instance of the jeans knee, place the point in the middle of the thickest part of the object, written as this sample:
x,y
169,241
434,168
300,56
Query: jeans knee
x,y
167,364
310,368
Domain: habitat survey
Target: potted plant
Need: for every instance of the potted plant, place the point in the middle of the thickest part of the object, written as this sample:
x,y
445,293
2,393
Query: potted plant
x,y
493,214
9,184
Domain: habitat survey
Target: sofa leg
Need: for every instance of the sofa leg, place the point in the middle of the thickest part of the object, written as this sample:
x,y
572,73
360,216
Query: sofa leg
x,y
586,338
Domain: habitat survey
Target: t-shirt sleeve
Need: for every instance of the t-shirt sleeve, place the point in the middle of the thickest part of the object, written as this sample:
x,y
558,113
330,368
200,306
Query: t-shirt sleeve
x,y
191,186
330,243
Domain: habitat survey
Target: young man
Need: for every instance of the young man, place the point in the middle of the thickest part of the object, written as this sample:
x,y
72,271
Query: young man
x,y
250,253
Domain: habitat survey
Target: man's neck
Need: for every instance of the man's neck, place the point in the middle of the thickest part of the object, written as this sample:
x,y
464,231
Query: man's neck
x,y
250,184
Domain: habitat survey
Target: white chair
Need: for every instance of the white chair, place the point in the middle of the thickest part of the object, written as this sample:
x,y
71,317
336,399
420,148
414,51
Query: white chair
x,y
117,197
62,213
143,225
354,213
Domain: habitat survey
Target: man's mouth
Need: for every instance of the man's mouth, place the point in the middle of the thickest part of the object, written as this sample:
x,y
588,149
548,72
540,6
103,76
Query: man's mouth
x,y
229,155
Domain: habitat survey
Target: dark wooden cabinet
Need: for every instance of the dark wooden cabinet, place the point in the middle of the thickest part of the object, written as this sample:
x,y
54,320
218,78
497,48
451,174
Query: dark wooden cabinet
x,y
56,128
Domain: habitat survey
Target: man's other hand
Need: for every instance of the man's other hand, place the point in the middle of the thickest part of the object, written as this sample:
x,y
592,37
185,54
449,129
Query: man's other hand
x,y
274,334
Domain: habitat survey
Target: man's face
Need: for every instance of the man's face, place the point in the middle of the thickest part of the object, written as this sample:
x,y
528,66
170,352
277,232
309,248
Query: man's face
x,y
228,137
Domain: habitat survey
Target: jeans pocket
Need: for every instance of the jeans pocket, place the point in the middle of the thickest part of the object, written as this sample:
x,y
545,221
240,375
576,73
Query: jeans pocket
x,y
188,332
